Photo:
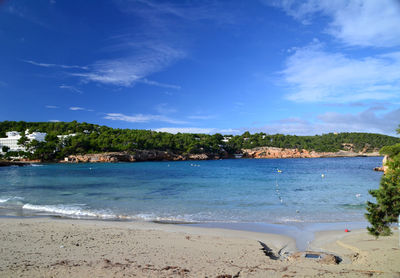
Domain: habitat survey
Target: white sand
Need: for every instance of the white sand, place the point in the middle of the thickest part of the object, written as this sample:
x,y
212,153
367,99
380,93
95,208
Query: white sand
x,y
44,247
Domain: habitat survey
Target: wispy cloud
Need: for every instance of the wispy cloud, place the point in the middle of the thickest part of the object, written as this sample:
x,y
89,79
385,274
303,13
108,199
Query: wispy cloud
x,y
51,107
3,84
77,108
190,11
158,84
142,118
129,70
164,109
22,12
70,88
370,120
201,117
314,75
197,130
372,23
54,121
55,65
175,130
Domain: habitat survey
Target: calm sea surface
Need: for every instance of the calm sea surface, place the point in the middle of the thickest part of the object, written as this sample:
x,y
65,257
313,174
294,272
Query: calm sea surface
x,y
232,191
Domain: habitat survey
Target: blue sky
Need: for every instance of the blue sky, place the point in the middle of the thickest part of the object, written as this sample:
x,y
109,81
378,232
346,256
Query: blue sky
x,y
292,67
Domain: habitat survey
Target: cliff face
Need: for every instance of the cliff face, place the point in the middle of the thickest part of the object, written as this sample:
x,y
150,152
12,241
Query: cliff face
x,y
271,152
140,155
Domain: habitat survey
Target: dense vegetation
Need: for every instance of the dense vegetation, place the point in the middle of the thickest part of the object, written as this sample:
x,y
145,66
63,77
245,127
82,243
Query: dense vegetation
x,y
92,138
387,208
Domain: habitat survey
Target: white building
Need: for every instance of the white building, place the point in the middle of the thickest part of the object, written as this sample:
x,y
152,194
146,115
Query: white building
x,y
11,141
63,137
39,136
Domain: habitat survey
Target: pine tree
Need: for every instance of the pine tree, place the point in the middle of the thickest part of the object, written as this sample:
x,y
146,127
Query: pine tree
x,y
387,207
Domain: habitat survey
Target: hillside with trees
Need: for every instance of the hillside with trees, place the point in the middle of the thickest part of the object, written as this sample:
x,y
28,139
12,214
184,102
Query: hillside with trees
x,y
91,138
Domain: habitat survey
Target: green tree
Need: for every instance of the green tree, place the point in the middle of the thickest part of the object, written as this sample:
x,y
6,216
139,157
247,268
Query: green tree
x,y
5,149
23,141
387,207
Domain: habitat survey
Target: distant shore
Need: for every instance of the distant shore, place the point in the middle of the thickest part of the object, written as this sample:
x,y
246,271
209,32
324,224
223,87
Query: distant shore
x,y
4,163
261,152
48,247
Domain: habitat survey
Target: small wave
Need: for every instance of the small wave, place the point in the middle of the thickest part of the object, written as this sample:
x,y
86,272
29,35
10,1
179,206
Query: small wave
x,y
68,210
288,220
75,211
150,217
10,199
36,165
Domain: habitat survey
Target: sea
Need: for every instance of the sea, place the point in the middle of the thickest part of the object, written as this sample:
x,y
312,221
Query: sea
x,y
270,191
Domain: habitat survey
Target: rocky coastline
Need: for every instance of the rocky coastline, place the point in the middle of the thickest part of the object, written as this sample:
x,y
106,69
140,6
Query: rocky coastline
x,y
139,155
14,163
271,152
256,153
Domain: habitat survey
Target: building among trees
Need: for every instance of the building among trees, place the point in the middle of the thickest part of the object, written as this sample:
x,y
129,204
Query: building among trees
x,y
14,139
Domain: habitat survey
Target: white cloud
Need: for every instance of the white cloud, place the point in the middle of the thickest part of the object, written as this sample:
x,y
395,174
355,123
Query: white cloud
x,y
70,88
54,121
190,11
77,108
370,120
142,118
158,84
163,108
201,117
354,22
55,65
52,107
314,75
129,70
229,131
175,130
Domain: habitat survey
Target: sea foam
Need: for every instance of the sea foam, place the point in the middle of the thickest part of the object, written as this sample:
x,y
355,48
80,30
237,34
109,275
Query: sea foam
x,y
67,210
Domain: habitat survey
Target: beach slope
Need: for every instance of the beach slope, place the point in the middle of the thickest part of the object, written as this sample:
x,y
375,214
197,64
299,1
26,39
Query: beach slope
x,y
45,247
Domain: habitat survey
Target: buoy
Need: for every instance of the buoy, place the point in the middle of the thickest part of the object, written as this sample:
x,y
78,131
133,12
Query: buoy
x,y
347,230
279,171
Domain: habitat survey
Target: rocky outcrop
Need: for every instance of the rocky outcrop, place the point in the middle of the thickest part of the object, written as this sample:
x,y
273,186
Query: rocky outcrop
x,y
271,152
139,155
384,167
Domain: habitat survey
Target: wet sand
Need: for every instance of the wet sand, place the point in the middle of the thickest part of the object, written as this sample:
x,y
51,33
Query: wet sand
x,y
48,247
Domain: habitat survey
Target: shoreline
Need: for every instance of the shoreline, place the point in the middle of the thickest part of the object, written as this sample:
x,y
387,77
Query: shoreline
x,y
303,233
36,247
4,163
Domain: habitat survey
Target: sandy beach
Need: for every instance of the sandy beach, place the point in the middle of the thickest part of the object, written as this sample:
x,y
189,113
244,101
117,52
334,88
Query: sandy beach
x,y
49,247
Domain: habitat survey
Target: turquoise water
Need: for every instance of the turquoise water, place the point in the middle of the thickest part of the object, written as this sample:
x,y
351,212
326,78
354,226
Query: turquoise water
x,y
231,191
